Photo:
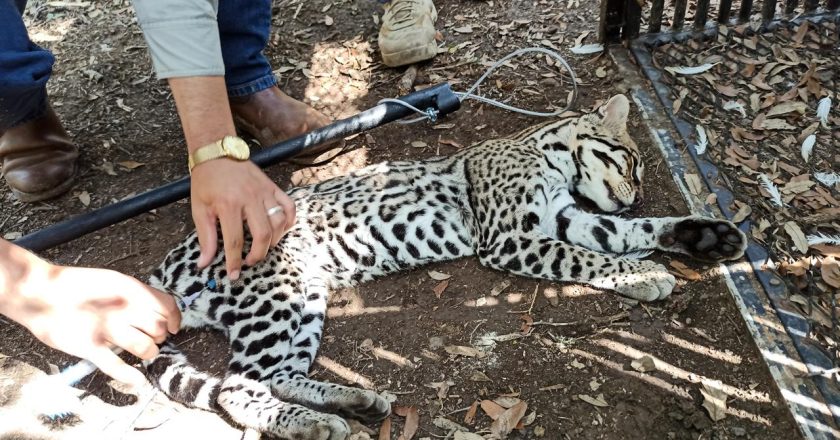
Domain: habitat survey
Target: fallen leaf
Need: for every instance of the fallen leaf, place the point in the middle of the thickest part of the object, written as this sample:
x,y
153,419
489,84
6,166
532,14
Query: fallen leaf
x,y
830,271
478,376
795,233
695,185
787,107
469,417
684,271
596,401
714,399
84,197
508,420
12,235
575,363
643,364
412,421
460,350
442,388
463,29
130,164
440,288
527,320
492,409
499,288
742,214
418,144
450,142
463,435
385,429
438,276
507,401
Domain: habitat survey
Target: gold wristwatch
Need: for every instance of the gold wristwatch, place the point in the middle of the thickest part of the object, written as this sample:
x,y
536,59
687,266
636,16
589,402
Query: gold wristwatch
x,y
229,146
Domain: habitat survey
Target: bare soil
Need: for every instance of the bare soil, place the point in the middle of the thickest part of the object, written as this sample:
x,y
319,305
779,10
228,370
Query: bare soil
x,y
391,334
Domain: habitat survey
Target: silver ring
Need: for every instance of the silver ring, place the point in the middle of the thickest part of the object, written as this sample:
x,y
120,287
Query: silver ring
x,y
274,210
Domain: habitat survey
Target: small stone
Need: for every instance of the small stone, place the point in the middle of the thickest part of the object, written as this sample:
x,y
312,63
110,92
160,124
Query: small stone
x,y
539,431
435,342
737,431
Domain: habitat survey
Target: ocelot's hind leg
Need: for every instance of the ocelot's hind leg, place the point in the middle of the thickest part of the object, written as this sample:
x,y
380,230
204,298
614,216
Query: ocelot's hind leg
x,y
291,383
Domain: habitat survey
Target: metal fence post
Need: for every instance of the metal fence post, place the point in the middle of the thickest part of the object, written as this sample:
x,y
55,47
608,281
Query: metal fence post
x,y
612,20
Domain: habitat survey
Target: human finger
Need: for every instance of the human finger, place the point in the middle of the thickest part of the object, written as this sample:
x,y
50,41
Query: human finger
x,y
232,235
133,341
289,210
205,226
113,366
259,224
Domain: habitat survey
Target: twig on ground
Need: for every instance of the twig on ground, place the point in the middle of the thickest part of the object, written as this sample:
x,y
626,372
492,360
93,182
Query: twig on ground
x,y
592,319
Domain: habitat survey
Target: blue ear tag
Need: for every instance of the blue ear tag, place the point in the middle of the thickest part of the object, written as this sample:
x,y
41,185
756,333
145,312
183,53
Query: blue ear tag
x,y
185,302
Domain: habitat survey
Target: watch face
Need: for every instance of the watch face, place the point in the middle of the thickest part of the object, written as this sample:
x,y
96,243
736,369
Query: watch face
x,y
236,147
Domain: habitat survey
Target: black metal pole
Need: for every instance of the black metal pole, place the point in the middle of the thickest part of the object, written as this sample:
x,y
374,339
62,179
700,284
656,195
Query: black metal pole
x,y
439,97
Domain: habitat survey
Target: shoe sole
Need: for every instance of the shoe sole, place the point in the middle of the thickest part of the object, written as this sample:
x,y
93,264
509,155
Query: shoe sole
x,y
26,197
410,56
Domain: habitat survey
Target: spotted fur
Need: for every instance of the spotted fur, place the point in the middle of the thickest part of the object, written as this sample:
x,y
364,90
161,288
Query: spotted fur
x,y
508,201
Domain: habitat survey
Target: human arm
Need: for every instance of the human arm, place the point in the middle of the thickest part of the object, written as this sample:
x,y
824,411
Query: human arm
x,y
84,311
184,43
223,189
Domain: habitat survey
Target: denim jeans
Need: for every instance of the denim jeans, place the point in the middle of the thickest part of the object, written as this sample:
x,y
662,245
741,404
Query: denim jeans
x,y
25,67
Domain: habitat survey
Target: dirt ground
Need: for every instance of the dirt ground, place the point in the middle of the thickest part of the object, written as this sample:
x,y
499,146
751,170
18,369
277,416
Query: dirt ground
x,y
574,371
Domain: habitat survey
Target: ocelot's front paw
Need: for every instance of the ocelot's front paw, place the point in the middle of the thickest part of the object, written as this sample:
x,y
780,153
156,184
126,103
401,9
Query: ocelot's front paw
x,y
311,425
364,406
706,239
643,281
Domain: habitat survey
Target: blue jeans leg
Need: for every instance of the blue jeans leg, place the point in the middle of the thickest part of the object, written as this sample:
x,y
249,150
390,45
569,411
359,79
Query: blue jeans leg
x,y
244,28
24,69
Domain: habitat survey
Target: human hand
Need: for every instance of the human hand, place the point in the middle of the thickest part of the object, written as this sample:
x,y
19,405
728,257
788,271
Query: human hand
x,y
85,312
233,192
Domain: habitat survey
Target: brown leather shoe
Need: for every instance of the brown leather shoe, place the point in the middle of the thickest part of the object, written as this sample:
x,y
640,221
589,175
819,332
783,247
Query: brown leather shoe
x,y
271,116
39,161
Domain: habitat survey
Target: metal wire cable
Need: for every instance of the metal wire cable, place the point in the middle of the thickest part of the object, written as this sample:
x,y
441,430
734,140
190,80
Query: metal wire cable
x,y
431,114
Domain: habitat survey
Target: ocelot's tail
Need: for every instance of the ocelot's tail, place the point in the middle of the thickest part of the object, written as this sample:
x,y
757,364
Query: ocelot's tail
x,y
172,373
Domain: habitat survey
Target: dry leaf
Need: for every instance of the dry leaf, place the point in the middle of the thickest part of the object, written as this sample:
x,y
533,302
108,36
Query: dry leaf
x,y
830,270
527,320
499,288
469,417
478,376
440,288
412,421
463,29
385,429
695,185
684,271
787,107
492,409
438,276
795,233
742,214
597,401
418,144
84,197
714,400
463,435
643,364
508,420
460,350
130,164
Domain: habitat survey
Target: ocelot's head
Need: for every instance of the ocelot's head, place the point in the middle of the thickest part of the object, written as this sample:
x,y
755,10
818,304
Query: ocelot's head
x,y
609,167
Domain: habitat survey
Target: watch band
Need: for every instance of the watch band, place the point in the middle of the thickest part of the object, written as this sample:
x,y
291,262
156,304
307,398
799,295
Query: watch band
x,y
229,146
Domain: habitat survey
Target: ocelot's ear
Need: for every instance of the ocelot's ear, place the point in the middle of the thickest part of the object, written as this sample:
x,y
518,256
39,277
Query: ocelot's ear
x,y
615,112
